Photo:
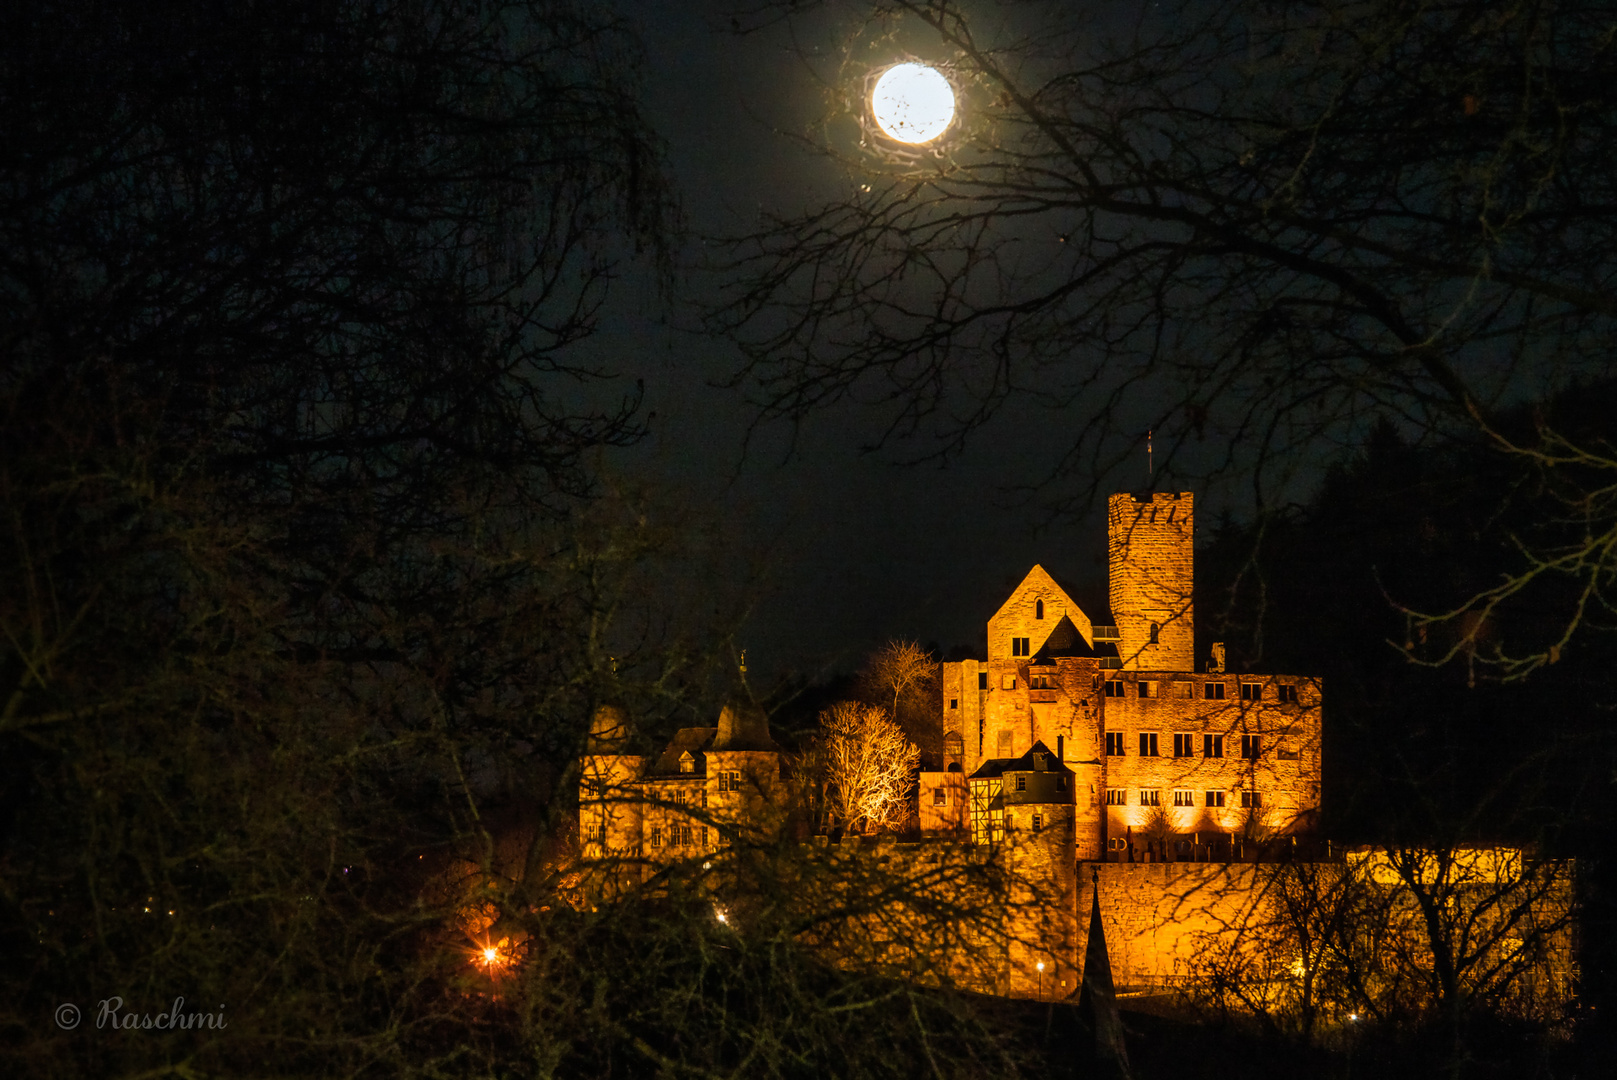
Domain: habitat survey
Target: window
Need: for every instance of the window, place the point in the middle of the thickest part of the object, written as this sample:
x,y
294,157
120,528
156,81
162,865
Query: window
x,y
1150,797
1061,783
687,764
1114,744
1184,746
1019,646
940,797
1038,822
1038,609
1116,796
1213,691
1251,747
982,680
1215,798
1155,631
1004,743
1038,682
704,836
1114,688
1148,689
953,744
656,837
954,703
1007,682
1148,744
1288,694
1184,690
1184,797
1286,754
1251,799
1212,746
1021,782
1251,691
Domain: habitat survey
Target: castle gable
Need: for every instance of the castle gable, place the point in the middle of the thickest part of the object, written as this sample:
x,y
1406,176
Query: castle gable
x,y
1031,615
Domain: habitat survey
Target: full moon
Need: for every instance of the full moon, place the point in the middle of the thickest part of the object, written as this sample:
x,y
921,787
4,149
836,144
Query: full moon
x,y
912,103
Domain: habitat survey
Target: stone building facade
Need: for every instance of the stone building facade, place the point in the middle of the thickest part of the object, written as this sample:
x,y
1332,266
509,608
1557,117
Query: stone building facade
x,y
1171,757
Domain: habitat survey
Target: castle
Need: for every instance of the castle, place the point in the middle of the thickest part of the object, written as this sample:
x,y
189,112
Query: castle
x,y
1097,775
1171,759
1082,737
1102,727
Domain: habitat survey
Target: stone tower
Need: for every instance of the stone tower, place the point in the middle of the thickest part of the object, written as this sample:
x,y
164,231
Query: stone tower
x,y
743,770
609,803
1150,539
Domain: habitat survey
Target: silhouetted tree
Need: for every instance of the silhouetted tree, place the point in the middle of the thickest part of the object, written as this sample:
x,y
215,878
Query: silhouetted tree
x,y
1249,228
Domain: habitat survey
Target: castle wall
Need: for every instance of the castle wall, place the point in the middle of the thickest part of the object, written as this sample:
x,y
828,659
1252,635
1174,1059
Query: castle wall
x,y
964,700
611,817
1158,916
1150,544
741,789
1043,925
1284,776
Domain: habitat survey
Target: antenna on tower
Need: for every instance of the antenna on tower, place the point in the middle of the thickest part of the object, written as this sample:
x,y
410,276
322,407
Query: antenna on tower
x,y
1150,464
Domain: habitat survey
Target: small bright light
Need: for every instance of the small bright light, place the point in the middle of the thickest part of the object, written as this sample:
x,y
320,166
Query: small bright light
x,y
1353,1016
723,918
1041,965
912,103
490,955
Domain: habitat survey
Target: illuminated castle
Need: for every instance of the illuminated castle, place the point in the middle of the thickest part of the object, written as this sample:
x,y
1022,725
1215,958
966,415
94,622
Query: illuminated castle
x,y
1092,753
1170,757
1082,737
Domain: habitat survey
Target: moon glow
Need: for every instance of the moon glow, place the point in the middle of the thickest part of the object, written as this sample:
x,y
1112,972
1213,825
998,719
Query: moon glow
x,y
912,103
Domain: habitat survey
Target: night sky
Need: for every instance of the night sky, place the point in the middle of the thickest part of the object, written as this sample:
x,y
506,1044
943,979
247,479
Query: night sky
x,y
862,546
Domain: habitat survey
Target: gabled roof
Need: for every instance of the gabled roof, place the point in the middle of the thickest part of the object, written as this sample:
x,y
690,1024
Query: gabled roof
x,y
692,740
1065,640
1039,576
1000,766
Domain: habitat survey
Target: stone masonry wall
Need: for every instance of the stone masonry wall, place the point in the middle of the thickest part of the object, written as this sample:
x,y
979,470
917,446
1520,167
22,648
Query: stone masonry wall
x,y
1157,915
1285,775
1150,544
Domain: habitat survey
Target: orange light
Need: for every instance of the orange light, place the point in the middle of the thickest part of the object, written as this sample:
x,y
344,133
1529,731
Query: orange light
x,y
490,956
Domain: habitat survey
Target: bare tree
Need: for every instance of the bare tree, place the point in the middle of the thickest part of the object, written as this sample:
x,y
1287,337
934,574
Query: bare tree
x,y
869,765
904,677
1394,936
1248,228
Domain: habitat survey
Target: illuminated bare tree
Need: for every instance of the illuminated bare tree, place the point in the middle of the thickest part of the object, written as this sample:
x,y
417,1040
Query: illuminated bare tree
x,y
869,765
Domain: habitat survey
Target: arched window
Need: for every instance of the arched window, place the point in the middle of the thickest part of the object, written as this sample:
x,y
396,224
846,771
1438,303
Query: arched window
x,y
953,744
1038,609
1155,630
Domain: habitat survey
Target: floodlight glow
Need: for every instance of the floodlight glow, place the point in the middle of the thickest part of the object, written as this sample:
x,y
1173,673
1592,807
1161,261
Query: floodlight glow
x,y
912,103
